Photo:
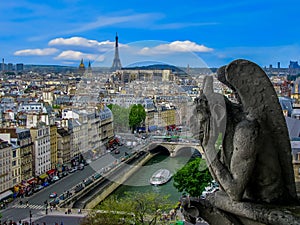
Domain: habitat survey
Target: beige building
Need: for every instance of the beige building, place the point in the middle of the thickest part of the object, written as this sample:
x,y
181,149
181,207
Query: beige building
x,y
165,116
90,129
63,146
16,164
130,75
106,127
5,165
22,138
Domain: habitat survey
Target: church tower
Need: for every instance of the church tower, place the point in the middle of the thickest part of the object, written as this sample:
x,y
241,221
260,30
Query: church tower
x,y
116,65
89,70
81,68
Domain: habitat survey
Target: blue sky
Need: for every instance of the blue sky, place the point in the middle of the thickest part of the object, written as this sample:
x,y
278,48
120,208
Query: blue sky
x,y
193,32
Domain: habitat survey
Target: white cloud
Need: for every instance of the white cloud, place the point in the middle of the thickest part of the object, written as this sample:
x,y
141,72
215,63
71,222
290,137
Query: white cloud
x,y
37,51
176,46
76,55
80,41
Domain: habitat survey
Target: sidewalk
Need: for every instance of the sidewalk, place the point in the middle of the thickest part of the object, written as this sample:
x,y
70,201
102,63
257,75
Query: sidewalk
x,y
67,212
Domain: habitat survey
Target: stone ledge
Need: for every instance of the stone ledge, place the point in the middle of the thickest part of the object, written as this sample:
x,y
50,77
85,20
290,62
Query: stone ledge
x,y
256,213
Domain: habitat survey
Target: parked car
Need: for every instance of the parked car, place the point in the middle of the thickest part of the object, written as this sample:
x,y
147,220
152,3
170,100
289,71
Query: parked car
x,y
78,188
53,195
117,152
73,170
65,173
96,176
55,178
38,188
28,193
81,166
88,181
45,184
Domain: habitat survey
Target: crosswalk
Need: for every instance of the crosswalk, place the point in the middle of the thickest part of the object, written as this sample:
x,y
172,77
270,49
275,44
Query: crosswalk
x,y
30,206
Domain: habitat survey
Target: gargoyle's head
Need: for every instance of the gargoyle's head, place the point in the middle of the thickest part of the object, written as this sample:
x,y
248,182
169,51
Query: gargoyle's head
x,y
209,114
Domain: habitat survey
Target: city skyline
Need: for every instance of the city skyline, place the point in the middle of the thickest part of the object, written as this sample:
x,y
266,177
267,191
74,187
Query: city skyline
x,y
195,33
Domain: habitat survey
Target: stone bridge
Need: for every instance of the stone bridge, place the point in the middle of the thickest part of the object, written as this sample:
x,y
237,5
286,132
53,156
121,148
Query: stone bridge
x,y
175,147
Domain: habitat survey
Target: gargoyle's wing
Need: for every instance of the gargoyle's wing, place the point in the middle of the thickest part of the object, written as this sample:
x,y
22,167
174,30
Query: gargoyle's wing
x,y
260,102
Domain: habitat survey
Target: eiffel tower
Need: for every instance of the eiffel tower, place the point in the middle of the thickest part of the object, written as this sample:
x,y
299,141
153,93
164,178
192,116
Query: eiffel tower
x,y
117,62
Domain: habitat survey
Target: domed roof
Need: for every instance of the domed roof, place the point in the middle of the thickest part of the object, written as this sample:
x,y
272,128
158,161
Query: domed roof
x,y
81,65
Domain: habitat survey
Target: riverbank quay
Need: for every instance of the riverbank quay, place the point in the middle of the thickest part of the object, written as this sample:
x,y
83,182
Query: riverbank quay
x,y
121,177
97,191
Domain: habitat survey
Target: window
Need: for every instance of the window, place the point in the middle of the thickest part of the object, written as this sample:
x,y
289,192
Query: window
x,y
298,156
14,154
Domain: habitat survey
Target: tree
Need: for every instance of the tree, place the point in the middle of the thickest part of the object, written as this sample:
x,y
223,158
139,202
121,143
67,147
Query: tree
x,y
134,208
193,177
137,115
121,117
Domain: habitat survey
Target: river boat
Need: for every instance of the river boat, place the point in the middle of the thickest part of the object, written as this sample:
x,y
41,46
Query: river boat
x,y
161,176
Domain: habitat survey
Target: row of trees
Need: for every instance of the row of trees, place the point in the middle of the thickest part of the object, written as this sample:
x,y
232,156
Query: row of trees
x,y
134,208
125,118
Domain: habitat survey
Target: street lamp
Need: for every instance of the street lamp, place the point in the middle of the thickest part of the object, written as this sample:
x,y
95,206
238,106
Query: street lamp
x,y
30,216
46,206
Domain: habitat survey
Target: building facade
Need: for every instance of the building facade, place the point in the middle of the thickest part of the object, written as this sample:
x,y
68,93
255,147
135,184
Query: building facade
x,y
53,146
63,146
42,155
5,165
22,138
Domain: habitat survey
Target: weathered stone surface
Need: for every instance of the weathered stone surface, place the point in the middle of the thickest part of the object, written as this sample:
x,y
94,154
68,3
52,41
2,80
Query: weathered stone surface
x,y
254,163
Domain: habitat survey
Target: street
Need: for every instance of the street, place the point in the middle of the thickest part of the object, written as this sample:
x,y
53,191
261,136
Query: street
x,y
15,211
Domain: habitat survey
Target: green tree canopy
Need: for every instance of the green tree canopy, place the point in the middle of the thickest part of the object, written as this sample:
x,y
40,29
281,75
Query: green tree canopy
x,y
137,115
121,117
134,208
193,177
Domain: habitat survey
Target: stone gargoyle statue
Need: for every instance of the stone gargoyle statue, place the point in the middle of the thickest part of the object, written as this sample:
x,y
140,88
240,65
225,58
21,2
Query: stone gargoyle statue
x,y
246,142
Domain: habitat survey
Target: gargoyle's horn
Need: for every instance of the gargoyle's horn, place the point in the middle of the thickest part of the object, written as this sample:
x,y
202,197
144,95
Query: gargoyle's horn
x,y
208,85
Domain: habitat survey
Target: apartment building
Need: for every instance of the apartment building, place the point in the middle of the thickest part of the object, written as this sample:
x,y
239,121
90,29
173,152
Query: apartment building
x,y
16,164
5,165
63,146
41,155
21,137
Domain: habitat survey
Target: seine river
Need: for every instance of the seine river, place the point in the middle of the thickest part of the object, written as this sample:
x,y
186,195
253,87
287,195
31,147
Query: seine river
x,y
139,182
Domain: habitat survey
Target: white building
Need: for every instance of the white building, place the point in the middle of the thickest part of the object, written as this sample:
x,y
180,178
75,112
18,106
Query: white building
x,y
42,154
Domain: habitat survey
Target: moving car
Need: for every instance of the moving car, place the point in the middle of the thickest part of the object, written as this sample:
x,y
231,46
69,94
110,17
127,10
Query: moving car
x,y
53,195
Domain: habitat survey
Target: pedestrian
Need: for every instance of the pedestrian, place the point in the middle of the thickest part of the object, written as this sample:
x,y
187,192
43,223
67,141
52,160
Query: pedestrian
x,y
79,211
